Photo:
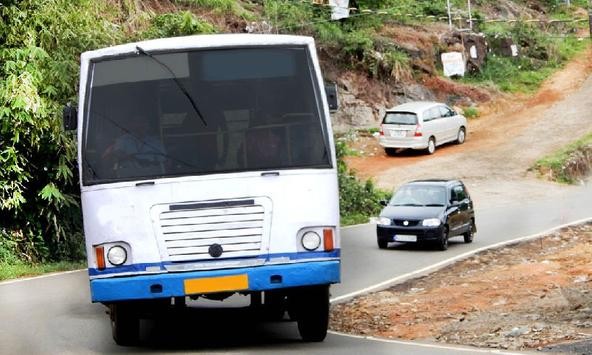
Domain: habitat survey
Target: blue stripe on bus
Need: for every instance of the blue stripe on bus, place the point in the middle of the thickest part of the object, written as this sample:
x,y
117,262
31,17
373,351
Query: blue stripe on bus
x,y
261,278
141,267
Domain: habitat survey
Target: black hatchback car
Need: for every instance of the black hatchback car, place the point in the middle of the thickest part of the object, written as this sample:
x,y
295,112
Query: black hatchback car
x,y
427,211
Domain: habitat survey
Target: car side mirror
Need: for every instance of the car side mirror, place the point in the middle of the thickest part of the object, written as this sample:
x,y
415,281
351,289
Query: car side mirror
x,y
70,117
332,100
383,203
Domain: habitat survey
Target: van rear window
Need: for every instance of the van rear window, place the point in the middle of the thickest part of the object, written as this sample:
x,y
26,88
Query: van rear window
x,y
400,118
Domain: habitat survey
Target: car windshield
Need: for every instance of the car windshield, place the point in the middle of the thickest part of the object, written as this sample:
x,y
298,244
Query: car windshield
x,y
407,118
202,112
419,195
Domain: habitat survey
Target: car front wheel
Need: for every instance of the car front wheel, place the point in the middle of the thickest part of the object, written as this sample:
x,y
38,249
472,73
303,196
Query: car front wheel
x,y
443,241
382,244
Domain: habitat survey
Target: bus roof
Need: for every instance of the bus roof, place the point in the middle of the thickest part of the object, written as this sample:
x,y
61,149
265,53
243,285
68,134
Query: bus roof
x,y
199,41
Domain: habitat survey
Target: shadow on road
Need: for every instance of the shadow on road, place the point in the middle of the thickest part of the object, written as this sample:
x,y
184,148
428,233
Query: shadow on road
x,y
423,247
211,329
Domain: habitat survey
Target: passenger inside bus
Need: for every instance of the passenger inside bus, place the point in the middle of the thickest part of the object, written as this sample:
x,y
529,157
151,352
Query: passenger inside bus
x,y
137,151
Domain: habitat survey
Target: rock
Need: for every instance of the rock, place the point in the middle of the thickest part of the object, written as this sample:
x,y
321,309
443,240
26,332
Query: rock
x,y
518,331
581,278
413,92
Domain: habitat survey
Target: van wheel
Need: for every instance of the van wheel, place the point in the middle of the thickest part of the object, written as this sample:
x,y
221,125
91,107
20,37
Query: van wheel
x,y
460,139
431,145
391,152
125,324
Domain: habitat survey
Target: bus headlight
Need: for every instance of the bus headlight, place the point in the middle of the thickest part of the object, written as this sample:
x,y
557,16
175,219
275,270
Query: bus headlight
x,y
311,241
117,255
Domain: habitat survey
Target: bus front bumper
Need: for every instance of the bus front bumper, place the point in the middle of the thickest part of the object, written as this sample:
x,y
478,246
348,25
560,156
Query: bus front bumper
x,y
179,284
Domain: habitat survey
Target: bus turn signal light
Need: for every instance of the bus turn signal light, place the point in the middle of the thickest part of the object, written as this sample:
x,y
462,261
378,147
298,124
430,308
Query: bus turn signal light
x,y
100,253
328,239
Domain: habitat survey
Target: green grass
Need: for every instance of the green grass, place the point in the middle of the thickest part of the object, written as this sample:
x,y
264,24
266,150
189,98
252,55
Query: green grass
x,y
13,271
352,219
471,112
511,74
544,56
556,161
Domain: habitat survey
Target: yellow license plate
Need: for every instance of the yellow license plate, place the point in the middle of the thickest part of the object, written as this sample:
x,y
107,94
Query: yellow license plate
x,y
217,284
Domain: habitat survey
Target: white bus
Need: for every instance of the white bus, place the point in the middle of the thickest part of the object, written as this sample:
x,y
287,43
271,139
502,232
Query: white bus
x,y
207,168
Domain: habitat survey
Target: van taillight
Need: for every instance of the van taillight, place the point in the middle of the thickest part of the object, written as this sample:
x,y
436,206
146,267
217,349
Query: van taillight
x,y
418,131
381,130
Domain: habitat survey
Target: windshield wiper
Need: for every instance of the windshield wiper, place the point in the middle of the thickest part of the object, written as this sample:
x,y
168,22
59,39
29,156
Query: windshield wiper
x,y
407,204
434,205
176,80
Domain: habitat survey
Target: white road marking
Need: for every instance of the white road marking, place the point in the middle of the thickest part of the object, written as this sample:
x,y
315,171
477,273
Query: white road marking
x,y
8,282
441,264
425,345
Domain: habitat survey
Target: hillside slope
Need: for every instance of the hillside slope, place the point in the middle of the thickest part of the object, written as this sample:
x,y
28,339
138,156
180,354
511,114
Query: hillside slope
x,y
388,51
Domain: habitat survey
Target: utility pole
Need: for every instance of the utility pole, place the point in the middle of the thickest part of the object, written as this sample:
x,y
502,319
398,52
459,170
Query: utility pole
x,y
450,16
470,16
590,17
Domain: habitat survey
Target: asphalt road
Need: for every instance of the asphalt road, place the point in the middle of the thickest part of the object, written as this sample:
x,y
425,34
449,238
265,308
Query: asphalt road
x,y
52,315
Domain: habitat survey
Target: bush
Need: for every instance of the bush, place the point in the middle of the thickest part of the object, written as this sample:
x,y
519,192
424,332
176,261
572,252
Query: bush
x,y
470,112
358,200
228,7
177,24
289,16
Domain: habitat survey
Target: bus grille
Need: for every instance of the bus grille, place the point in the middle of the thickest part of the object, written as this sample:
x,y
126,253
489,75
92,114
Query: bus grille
x,y
191,231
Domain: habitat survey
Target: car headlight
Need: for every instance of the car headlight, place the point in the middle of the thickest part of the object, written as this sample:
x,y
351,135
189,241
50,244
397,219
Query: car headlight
x,y
431,222
117,255
311,241
384,221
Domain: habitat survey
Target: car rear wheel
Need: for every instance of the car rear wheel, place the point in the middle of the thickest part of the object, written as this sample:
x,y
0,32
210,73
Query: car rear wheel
x,y
390,151
443,241
431,145
469,234
462,134
382,244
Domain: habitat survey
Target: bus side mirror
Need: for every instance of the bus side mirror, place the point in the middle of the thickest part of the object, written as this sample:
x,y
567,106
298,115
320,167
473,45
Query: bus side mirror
x,y
331,91
70,117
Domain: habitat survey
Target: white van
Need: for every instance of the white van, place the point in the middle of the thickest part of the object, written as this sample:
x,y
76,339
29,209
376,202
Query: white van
x,y
421,125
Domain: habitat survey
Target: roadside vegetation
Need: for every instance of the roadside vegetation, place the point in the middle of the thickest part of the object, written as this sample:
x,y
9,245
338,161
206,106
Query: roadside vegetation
x,y
20,269
541,54
569,165
358,199
40,45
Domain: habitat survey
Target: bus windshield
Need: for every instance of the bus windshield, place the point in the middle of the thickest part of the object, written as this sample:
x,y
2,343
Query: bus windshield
x,y
202,112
